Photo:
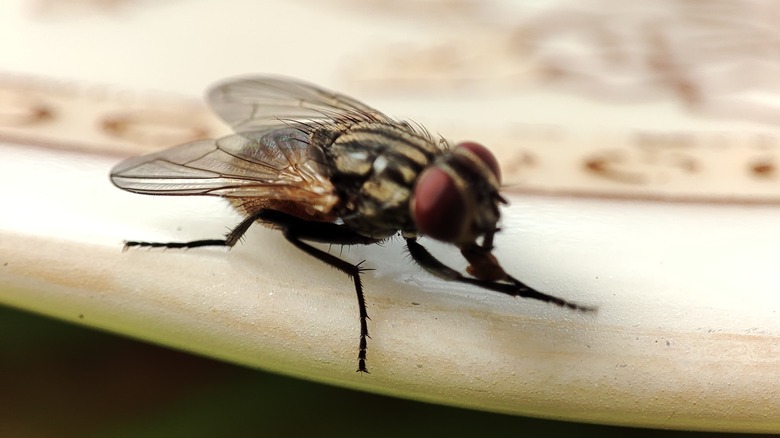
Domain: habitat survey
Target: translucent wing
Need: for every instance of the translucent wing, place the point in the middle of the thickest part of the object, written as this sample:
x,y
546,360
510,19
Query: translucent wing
x,y
265,102
278,165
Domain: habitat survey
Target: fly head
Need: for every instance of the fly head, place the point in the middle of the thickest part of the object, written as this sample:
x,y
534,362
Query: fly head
x,y
456,201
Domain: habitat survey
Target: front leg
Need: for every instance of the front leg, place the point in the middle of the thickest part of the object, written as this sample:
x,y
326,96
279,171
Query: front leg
x,y
511,286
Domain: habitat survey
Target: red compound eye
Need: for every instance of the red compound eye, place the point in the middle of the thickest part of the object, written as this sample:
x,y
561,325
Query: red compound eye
x,y
485,155
438,208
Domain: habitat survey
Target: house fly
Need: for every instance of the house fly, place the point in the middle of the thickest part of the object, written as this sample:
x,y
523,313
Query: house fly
x,y
323,167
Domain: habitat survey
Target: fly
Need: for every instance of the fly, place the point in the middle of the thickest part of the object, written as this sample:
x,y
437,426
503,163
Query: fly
x,y
323,167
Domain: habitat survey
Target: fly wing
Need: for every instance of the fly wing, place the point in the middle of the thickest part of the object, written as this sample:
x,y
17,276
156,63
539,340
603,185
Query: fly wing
x,y
267,102
259,166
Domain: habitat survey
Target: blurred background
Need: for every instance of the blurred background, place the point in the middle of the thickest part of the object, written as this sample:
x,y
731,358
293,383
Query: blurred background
x,y
608,72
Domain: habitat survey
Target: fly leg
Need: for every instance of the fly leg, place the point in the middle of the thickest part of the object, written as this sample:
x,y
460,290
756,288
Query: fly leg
x,y
295,230
512,287
229,241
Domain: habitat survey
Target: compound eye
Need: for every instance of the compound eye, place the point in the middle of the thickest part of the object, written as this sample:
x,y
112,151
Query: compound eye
x,y
438,208
484,155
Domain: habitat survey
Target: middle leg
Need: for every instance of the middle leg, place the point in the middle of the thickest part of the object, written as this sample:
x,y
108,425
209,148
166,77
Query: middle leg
x,y
296,230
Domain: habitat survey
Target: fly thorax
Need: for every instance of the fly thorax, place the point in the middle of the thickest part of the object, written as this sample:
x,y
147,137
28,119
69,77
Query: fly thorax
x,y
376,164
